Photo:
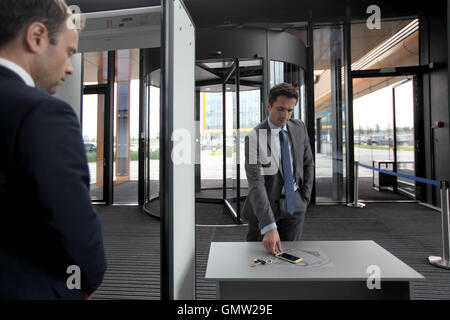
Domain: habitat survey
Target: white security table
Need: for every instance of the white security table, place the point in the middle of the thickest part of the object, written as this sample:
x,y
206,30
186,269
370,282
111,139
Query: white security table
x,y
330,270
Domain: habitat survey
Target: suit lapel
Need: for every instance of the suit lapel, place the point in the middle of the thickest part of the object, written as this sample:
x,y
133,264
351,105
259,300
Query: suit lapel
x,y
294,146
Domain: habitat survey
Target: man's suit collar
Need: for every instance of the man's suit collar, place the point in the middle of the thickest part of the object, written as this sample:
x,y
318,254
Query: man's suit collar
x,y
265,124
18,71
9,73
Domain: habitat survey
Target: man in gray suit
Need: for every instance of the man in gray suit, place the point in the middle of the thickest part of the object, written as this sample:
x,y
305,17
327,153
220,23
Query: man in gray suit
x,y
280,173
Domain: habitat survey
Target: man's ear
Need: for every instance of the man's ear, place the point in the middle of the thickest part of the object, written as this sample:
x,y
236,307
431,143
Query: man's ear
x,y
268,106
36,37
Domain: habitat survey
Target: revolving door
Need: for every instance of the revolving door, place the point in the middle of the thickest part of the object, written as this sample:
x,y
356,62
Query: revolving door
x,y
232,84
229,100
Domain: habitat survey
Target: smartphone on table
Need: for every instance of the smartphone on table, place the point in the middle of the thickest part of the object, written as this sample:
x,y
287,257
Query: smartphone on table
x,y
289,257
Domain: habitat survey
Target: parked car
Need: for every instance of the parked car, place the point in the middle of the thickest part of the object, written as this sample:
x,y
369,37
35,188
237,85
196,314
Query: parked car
x,y
90,147
380,141
405,140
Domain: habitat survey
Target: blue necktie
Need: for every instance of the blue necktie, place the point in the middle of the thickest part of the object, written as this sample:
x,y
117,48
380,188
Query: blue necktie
x,y
287,173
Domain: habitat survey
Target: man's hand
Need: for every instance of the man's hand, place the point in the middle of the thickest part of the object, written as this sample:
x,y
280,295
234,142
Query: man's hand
x,y
272,239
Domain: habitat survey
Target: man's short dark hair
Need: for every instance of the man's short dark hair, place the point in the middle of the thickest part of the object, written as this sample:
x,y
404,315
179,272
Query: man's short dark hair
x,y
16,15
282,89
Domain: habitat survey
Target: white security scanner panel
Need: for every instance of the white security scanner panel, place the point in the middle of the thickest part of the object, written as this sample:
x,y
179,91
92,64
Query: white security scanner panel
x,y
121,29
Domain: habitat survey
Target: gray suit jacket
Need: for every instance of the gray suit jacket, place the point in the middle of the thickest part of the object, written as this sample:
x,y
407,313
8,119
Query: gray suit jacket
x,y
264,174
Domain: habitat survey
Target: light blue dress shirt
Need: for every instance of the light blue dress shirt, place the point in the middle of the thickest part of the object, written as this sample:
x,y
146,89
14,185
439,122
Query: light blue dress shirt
x,y
276,131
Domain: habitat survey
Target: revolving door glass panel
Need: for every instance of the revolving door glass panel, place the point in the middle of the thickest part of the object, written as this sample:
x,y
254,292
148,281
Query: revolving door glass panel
x,y
295,75
229,107
211,139
231,148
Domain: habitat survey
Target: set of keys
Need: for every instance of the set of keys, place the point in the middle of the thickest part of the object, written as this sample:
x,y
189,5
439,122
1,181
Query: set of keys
x,y
258,262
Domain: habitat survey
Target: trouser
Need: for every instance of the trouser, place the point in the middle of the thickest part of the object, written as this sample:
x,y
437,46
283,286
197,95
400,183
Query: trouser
x,y
289,227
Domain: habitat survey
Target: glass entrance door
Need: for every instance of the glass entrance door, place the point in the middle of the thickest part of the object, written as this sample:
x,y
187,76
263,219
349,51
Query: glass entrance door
x,y
403,104
151,133
383,115
93,131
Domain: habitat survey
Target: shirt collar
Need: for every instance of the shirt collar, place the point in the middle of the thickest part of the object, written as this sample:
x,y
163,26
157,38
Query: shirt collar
x,y
19,70
274,127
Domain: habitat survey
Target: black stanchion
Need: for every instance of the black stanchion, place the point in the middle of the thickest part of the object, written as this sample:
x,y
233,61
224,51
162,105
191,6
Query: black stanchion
x,y
443,262
356,203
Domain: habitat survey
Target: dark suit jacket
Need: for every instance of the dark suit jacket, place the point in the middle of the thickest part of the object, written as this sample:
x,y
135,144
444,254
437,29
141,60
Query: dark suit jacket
x,y
264,174
47,221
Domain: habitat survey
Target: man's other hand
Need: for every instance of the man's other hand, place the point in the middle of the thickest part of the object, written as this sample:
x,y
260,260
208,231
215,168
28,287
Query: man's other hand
x,y
271,240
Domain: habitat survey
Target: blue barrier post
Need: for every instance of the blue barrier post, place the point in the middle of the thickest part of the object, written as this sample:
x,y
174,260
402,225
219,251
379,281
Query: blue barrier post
x,y
356,203
444,262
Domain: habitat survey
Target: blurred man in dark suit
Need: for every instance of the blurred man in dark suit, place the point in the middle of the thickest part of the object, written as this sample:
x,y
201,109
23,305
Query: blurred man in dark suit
x,y
49,229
